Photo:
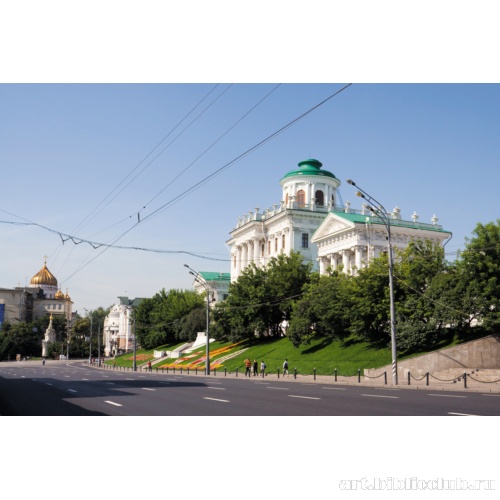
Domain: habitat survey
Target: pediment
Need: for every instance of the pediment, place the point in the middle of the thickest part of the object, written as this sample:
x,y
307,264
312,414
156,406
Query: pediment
x,y
330,226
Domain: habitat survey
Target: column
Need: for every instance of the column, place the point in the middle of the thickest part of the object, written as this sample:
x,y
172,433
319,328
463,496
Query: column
x,y
346,261
358,257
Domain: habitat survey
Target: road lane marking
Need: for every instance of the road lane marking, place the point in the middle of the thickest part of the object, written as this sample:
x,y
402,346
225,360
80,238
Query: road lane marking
x,y
86,379
130,379
279,388
148,389
334,388
463,414
301,397
109,383
47,383
446,395
72,390
217,388
494,395
113,403
379,396
220,400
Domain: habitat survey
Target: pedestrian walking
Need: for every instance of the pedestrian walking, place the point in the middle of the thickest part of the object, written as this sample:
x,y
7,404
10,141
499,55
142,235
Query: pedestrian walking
x,y
285,368
255,368
248,365
149,365
262,368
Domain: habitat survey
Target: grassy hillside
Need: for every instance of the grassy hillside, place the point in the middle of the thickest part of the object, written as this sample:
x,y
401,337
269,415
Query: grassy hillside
x,y
324,356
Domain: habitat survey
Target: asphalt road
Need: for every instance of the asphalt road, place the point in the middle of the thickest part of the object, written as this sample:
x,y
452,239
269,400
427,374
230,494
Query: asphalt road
x,y
71,388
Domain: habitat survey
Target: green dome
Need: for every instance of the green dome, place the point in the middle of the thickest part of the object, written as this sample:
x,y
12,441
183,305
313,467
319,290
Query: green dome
x,y
309,167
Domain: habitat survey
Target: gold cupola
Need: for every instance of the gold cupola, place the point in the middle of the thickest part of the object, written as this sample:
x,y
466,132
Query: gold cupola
x,y
59,294
43,277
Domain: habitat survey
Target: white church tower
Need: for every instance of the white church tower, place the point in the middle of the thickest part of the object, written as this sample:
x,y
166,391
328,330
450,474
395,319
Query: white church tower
x,y
308,194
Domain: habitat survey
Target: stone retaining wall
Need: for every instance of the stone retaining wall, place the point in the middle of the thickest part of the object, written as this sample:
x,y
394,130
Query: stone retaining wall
x,y
482,353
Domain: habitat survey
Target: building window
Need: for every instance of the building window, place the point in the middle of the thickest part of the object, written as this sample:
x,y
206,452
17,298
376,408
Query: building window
x,y
301,198
283,241
275,244
320,198
269,248
305,240
234,261
262,250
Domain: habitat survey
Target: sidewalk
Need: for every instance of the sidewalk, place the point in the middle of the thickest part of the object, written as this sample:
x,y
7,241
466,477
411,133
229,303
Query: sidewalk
x,y
472,384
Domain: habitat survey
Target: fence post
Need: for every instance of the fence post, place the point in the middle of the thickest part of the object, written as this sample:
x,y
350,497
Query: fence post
x,y
335,374
315,373
359,376
465,380
385,378
174,370
188,370
427,378
278,372
409,377
225,372
236,371
181,370
215,371
295,373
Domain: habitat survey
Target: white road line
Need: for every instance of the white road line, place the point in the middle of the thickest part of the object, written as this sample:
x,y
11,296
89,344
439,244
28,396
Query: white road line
x,y
463,414
279,388
110,383
113,403
379,396
72,390
148,389
301,397
446,395
47,383
86,379
130,379
493,395
217,388
334,388
220,400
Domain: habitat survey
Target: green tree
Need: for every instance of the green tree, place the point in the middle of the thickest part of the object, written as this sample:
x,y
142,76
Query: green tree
x,y
159,320
323,309
262,298
479,265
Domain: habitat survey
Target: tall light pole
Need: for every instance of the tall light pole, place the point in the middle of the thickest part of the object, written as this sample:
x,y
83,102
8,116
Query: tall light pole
x,y
89,314
379,209
199,279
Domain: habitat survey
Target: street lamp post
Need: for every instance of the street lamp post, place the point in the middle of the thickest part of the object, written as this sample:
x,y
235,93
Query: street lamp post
x,y
89,313
379,209
199,279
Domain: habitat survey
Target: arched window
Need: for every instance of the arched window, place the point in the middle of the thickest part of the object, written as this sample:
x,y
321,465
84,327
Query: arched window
x,y
320,198
301,198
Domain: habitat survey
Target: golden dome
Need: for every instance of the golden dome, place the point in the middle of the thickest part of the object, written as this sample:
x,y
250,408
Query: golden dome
x,y
67,297
43,277
59,295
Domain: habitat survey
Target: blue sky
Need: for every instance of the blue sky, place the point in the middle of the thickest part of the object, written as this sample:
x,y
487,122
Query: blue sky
x,y
72,161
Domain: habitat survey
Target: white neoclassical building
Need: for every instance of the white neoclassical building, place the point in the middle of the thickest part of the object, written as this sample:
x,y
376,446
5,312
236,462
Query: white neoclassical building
x,y
118,335
310,219
308,194
350,239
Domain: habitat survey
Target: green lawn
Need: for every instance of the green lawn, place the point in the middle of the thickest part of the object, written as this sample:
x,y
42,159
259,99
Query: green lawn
x,y
321,355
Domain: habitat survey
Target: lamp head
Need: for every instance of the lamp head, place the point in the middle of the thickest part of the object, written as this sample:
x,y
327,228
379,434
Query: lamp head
x,y
351,182
360,194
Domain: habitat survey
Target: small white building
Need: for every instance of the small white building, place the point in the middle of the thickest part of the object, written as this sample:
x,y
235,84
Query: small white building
x,y
118,335
217,285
